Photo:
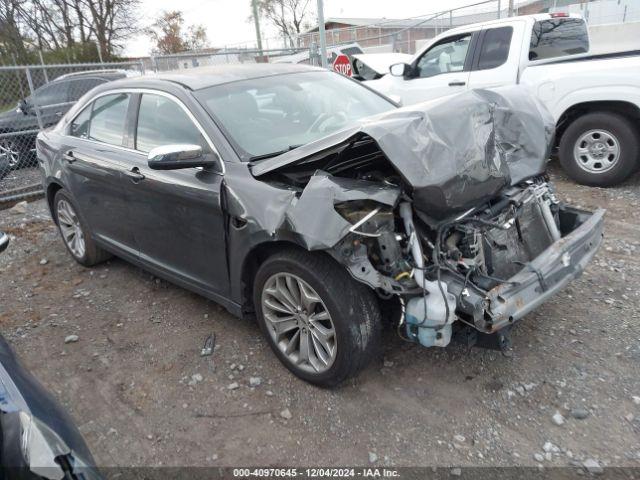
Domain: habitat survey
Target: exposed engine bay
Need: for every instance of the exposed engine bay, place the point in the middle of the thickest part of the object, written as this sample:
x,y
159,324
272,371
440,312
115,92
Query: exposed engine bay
x,y
443,271
453,217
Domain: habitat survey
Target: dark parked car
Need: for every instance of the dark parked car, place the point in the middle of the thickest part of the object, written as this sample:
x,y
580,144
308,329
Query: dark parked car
x,y
53,99
306,199
38,439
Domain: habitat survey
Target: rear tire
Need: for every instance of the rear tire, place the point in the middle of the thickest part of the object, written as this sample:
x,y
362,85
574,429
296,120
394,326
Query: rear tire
x,y
349,311
600,149
75,233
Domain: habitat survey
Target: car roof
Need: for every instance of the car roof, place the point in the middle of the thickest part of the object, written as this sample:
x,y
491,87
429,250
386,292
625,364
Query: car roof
x,y
105,75
203,77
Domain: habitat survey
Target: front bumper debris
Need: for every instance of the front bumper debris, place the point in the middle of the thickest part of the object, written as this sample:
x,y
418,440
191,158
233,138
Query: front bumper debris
x,y
549,272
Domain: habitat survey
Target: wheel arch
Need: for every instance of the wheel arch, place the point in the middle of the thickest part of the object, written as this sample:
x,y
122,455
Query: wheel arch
x,y
53,188
623,108
258,254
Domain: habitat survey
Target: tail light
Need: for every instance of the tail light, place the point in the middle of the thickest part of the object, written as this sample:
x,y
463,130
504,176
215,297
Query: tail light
x,y
559,15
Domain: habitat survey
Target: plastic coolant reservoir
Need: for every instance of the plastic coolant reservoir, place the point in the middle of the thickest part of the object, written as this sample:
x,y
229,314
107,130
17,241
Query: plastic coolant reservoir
x,y
423,330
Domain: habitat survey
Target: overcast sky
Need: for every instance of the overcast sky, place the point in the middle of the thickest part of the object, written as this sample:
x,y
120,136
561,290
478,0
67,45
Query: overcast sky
x,y
226,20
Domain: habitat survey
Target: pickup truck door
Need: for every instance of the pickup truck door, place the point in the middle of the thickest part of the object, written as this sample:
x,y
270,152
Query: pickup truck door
x,y
441,70
496,60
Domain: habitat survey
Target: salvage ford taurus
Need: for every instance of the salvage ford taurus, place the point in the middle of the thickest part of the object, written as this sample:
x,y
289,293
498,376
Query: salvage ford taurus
x,y
303,198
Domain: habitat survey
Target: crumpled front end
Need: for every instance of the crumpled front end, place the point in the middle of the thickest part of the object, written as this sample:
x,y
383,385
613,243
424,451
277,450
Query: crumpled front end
x,y
443,206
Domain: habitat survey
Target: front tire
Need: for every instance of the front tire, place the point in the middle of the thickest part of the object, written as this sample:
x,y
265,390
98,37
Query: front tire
x,y
321,324
599,149
75,233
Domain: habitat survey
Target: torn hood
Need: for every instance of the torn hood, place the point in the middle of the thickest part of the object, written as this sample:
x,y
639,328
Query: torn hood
x,y
454,151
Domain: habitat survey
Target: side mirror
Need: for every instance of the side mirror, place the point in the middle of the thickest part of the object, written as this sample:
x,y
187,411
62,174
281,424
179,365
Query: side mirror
x,y
23,107
399,69
174,157
4,241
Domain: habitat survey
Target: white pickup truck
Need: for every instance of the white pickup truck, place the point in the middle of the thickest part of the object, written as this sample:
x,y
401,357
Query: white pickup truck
x,y
594,99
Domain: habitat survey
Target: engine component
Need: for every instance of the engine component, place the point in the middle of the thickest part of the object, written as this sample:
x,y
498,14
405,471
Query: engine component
x,y
429,317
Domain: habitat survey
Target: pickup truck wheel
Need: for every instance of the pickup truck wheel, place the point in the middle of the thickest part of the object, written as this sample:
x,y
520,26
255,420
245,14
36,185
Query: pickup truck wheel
x,y
75,233
599,149
322,325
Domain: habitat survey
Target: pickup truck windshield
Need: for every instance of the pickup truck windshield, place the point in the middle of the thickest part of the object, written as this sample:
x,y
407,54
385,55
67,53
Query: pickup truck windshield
x,y
557,37
268,115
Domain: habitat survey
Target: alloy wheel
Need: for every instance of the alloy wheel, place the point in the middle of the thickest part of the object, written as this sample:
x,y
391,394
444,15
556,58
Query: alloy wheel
x,y
299,322
597,151
10,153
71,229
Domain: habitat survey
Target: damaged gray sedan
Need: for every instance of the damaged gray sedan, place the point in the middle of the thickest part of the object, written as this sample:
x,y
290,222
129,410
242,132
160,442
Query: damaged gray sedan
x,y
306,200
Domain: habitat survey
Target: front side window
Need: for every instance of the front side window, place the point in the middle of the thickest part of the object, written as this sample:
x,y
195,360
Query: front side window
x,y
80,86
51,94
447,56
108,119
264,116
495,47
557,37
161,121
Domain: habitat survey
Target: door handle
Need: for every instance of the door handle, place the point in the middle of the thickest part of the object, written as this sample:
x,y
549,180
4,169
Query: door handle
x,y
68,156
58,114
457,84
135,175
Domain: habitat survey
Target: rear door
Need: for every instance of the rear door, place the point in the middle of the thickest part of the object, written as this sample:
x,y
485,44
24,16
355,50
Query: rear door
x,y
177,217
95,156
497,56
442,70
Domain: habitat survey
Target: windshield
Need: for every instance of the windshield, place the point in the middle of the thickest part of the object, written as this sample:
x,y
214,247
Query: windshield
x,y
269,115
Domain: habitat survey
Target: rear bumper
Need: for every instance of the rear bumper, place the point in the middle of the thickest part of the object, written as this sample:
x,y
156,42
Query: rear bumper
x,y
550,271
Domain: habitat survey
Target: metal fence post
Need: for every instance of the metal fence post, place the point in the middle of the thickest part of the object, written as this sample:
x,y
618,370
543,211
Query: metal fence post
x,y
44,70
35,104
322,35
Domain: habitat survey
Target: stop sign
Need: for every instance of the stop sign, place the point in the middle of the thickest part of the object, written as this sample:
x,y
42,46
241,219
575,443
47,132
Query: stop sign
x,y
342,65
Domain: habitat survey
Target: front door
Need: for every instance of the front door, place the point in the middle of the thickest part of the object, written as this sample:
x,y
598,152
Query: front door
x,y
177,216
442,70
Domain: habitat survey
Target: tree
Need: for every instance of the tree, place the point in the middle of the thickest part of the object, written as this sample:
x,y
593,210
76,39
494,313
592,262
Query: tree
x,y
66,30
290,17
197,38
169,37
112,21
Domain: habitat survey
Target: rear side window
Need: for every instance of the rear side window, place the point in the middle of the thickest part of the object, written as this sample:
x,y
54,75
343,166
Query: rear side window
x,y
161,121
79,126
495,47
557,37
108,118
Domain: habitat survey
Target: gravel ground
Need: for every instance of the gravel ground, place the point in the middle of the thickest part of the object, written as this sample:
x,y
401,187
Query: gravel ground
x,y
23,177
140,392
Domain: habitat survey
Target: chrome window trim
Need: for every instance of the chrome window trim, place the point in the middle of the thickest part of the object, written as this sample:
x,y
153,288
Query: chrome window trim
x,y
149,91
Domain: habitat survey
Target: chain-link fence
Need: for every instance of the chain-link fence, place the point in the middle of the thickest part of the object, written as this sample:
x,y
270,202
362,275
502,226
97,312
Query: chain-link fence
x,y
219,56
33,98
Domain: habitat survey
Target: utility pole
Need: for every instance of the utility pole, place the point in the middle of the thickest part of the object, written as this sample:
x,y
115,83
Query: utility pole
x,y
256,20
322,35
510,12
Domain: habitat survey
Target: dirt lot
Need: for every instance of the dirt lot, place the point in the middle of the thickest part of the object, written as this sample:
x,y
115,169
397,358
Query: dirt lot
x,y
142,394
